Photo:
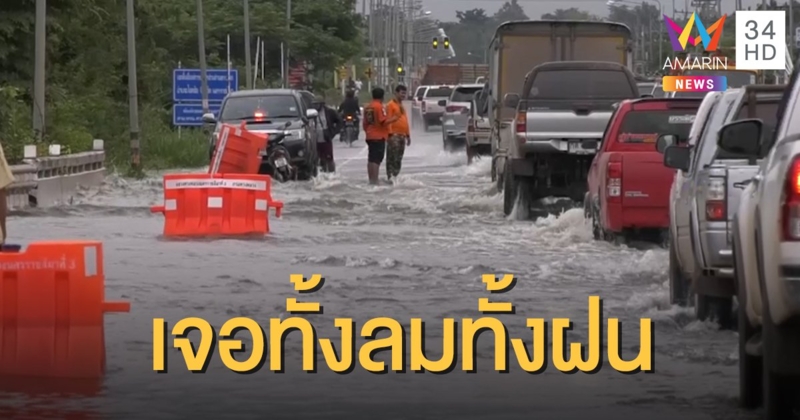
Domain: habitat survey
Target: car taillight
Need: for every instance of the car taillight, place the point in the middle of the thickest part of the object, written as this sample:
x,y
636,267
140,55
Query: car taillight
x,y
614,180
349,117
470,125
521,125
791,203
453,108
715,200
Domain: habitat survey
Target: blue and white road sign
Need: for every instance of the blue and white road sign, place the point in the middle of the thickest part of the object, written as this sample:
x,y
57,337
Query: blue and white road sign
x,y
191,115
186,84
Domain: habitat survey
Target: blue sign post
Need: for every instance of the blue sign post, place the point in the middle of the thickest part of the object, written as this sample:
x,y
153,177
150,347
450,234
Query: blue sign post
x,y
187,94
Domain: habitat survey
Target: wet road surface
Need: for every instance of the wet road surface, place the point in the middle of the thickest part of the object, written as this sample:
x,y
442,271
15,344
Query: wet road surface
x,y
415,249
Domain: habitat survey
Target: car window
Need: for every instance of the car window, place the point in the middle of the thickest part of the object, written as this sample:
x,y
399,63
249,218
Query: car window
x,y
581,84
712,125
646,88
645,126
464,94
441,92
247,107
420,91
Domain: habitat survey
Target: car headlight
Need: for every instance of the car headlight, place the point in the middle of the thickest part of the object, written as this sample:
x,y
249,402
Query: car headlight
x,y
295,134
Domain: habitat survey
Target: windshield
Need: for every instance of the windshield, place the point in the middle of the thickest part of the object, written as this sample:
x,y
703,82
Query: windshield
x,y
658,91
420,91
464,94
245,107
646,126
443,92
767,112
736,78
581,84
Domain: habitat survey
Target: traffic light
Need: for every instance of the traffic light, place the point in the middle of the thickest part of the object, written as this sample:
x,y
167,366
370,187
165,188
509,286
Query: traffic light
x,y
446,43
435,43
400,70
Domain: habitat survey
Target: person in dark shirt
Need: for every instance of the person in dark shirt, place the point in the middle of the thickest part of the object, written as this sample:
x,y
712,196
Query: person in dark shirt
x,y
351,107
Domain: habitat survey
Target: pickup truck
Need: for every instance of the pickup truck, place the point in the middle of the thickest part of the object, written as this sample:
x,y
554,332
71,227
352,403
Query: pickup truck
x,y
766,258
628,182
430,109
456,116
704,194
560,118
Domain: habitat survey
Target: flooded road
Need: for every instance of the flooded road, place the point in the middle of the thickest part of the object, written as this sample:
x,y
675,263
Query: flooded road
x,y
415,249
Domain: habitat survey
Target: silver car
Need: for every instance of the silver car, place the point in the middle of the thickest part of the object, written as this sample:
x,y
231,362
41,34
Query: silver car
x,y
704,197
456,115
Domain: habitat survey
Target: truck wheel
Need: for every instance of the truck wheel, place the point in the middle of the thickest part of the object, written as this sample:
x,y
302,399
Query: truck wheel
x,y
777,387
678,285
509,192
750,367
597,231
714,308
494,174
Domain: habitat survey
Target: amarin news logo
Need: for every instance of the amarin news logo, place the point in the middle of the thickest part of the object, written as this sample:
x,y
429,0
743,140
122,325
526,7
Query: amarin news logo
x,y
680,42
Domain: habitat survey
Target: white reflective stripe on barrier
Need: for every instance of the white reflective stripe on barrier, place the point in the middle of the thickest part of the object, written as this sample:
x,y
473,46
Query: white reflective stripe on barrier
x,y
221,145
236,184
90,261
171,204
261,205
215,202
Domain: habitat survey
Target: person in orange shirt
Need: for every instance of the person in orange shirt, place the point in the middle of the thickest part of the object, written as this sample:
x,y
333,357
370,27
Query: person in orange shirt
x,y
376,127
399,133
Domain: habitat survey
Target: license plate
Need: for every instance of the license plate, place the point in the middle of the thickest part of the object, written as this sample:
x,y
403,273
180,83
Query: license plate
x,y
281,162
577,148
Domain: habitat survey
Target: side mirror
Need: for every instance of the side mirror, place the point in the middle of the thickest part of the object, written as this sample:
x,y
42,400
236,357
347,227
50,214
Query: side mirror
x,y
511,100
664,141
442,102
312,113
419,98
209,118
741,137
677,157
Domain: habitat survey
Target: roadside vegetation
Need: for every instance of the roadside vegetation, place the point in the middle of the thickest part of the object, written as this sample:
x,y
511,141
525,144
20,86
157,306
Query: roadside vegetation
x,y
87,77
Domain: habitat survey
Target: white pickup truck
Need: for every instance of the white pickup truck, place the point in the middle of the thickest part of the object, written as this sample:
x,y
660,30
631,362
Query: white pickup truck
x,y
430,109
766,254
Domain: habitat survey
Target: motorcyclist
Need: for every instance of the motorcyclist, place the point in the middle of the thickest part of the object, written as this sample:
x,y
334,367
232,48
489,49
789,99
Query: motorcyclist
x,y
350,107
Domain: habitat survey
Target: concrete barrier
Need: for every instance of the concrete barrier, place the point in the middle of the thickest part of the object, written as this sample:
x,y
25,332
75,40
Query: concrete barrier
x,y
54,180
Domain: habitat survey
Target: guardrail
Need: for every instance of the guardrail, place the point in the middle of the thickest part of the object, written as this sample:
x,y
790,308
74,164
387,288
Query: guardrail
x,y
53,180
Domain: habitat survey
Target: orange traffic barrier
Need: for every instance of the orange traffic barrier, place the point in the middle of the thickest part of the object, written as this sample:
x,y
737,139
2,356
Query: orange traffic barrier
x,y
52,302
238,151
205,205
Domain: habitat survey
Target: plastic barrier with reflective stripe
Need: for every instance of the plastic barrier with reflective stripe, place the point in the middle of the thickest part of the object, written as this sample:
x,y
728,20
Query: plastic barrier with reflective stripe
x,y
52,302
206,205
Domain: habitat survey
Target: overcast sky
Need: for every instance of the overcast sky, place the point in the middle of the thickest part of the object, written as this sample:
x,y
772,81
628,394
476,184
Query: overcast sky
x,y
445,10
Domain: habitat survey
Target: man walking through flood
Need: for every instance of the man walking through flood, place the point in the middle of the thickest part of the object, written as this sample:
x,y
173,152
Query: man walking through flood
x,y
399,133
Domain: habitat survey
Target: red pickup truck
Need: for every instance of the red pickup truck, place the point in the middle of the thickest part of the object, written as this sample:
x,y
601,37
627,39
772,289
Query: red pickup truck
x,y
628,183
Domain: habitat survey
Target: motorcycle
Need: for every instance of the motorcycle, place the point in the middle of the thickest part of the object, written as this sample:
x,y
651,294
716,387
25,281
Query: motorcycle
x,y
349,133
278,163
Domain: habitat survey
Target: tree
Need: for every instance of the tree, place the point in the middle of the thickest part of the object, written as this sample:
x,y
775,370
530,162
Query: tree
x,y
569,14
473,17
87,92
510,11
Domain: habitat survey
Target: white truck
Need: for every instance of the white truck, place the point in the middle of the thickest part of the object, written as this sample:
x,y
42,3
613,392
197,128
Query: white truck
x,y
516,49
766,257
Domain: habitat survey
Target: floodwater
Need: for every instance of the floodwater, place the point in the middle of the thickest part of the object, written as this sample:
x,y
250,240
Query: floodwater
x,y
416,249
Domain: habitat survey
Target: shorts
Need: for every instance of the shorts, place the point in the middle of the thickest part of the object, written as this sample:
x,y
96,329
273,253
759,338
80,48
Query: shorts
x,y
377,149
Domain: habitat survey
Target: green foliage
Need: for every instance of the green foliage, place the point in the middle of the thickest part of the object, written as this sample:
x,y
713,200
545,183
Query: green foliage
x,y
87,66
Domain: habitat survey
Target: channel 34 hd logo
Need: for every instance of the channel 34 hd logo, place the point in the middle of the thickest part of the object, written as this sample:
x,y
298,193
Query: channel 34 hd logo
x,y
681,38
761,40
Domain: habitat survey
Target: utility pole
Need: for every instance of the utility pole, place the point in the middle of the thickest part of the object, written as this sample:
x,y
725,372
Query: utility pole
x,y
39,70
133,102
288,28
201,45
385,64
248,72
371,42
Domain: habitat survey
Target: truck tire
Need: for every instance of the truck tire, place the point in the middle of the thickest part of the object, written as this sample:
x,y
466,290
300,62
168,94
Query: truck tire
x,y
777,387
509,192
678,284
750,367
